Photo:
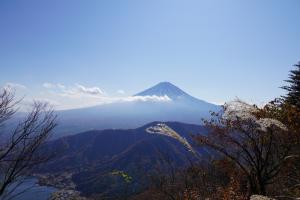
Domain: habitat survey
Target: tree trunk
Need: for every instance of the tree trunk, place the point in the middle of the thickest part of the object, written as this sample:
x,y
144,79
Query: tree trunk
x,y
257,187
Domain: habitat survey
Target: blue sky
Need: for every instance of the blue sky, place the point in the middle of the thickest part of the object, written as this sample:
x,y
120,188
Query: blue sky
x,y
216,50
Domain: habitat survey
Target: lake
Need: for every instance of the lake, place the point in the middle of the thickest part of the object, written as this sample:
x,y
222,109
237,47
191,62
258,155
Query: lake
x,y
33,191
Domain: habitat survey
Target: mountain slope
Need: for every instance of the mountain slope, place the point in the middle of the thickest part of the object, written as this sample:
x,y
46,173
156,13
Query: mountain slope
x,y
162,89
93,156
176,94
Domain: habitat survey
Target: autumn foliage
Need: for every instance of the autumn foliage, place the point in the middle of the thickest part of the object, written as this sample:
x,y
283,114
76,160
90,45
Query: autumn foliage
x,y
255,150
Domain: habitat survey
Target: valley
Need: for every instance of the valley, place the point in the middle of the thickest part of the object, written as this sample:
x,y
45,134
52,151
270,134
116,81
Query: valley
x,y
86,161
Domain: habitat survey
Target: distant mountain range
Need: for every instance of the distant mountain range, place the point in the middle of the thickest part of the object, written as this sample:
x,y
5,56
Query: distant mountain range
x,y
162,102
91,159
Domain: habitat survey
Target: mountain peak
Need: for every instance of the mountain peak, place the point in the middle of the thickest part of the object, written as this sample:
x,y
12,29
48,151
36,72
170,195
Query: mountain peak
x,y
165,83
162,89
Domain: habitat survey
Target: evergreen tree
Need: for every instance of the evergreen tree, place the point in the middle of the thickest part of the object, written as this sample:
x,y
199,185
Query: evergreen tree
x,y
293,89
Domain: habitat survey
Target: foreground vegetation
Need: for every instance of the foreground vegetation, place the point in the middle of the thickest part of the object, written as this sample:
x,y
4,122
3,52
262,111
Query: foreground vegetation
x,y
257,152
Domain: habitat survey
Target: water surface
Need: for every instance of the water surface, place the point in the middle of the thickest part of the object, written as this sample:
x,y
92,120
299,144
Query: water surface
x,y
30,190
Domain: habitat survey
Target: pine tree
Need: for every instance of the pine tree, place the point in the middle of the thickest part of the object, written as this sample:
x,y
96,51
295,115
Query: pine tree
x,y
293,89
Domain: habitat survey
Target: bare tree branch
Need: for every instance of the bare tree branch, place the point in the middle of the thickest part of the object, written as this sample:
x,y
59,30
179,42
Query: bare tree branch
x,y
20,152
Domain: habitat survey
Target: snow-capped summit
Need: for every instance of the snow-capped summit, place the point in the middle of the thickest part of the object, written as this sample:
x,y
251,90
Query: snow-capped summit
x,y
162,89
177,95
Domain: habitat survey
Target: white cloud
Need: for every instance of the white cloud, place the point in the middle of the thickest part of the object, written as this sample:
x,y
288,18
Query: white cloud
x,y
120,91
61,86
10,85
79,96
76,91
53,86
80,91
89,90
219,103
152,98
51,102
49,85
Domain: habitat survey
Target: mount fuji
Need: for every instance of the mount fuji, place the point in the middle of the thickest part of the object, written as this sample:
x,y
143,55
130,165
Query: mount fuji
x,y
164,88
173,104
176,95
